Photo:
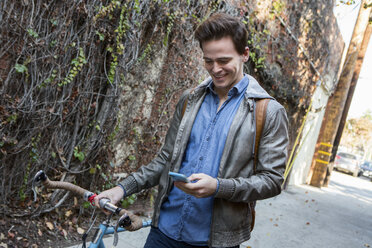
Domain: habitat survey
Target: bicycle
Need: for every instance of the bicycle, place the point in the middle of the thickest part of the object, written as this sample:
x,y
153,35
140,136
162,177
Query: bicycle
x,y
127,220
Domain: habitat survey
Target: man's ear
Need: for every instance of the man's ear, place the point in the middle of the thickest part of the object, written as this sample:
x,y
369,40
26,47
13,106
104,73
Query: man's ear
x,y
246,54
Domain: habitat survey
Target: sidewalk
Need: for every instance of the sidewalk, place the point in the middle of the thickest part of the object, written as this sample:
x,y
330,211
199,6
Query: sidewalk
x,y
304,217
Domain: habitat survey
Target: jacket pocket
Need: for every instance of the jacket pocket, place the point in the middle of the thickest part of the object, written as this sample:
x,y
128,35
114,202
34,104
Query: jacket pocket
x,y
230,216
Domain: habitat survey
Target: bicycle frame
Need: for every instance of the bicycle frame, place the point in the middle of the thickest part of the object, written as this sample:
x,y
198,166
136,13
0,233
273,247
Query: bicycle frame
x,y
104,229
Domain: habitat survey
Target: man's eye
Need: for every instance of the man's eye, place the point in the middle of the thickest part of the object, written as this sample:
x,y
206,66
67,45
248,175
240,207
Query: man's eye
x,y
224,61
208,61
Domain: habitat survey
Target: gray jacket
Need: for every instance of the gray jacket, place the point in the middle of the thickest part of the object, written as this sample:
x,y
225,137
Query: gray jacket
x,y
238,185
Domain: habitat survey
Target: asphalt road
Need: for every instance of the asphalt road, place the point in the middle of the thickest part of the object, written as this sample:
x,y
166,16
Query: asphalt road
x,y
304,217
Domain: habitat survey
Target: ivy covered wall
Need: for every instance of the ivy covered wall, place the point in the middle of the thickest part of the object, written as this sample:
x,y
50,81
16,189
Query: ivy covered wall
x,y
88,88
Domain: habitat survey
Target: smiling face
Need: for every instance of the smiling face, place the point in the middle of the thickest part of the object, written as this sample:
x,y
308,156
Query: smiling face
x,y
223,63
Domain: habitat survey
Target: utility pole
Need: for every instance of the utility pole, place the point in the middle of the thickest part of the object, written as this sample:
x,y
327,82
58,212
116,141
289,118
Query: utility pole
x,y
336,103
353,84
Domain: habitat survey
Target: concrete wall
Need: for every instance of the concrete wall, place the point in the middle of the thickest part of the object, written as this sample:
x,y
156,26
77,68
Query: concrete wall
x,y
304,155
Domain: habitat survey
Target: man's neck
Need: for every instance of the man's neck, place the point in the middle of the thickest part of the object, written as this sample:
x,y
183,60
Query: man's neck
x,y
222,93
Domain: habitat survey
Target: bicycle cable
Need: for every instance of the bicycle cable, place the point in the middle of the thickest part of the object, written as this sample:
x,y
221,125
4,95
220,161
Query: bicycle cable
x,y
85,235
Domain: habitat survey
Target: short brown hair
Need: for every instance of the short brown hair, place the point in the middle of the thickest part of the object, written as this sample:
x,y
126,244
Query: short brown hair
x,y
221,25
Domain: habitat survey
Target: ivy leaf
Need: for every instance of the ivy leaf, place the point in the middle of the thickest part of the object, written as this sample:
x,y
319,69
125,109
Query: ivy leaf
x,y
86,205
100,36
78,154
20,68
32,33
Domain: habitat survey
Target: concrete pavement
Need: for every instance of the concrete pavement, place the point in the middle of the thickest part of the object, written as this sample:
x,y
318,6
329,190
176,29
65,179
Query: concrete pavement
x,y
304,217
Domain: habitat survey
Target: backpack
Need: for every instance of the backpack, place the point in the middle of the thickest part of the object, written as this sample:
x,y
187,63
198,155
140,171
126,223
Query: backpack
x,y
260,114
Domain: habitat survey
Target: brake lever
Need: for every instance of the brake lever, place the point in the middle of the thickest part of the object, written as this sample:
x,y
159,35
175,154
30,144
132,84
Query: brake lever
x,y
39,177
123,221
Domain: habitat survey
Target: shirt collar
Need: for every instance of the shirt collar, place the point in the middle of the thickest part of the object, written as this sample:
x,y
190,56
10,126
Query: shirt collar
x,y
237,89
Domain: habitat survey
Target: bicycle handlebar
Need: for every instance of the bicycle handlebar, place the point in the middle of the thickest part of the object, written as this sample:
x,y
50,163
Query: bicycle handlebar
x,y
134,223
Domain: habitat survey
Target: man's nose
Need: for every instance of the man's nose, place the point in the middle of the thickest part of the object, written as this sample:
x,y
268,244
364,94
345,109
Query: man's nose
x,y
216,67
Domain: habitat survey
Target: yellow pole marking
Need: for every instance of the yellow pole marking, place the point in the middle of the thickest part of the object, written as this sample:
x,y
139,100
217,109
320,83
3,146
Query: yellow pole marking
x,y
321,161
326,144
325,153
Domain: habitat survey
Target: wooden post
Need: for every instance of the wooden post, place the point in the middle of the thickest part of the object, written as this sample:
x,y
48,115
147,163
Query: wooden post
x,y
353,84
336,103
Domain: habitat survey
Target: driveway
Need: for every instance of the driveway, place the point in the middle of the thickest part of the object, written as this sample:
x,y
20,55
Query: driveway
x,y
308,217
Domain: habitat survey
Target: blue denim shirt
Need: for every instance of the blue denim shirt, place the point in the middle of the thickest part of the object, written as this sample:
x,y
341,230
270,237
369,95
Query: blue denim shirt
x,y
184,217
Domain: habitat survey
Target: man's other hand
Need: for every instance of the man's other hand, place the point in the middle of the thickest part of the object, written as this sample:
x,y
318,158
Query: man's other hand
x,y
201,185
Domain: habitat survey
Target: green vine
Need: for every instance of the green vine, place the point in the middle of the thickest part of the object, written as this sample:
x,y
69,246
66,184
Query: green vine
x,y
146,53
119,48
256,37
79,154
49,80
277,8
34,157
77,66
171,18
104,11
128,201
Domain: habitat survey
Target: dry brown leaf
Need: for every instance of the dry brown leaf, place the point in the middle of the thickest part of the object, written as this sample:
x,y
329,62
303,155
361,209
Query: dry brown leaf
x,y
64,232
49,225
68,213
3,245
80,230
2,236
39,232
74,220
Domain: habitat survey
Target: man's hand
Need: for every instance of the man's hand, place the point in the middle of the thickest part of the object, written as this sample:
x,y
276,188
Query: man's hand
x,y
203,187
115,195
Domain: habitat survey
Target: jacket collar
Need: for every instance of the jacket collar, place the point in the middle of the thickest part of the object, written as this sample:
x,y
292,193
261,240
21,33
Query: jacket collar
x,y
254,90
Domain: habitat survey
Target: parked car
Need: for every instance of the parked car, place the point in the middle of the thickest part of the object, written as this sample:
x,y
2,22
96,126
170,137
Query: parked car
x,y
366,169
347,162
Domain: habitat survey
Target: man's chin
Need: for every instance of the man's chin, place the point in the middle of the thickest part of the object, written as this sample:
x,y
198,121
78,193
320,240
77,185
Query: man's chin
x,y
219,80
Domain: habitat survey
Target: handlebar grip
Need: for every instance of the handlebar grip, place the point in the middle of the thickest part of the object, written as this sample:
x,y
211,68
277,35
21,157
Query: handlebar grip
x,y
136,221
42,177
125,221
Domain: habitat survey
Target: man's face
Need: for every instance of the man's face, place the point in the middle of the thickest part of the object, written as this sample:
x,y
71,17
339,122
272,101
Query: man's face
x,y
223,63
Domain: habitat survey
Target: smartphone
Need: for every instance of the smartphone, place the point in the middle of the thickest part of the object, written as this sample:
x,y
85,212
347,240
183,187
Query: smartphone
x,y
179,177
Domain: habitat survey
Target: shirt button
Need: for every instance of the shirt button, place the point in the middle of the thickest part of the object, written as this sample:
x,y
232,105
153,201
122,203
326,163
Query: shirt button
x,y
201,158
207,138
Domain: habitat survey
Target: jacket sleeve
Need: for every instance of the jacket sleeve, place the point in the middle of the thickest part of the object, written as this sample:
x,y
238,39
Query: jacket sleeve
x,y
149,175
272,156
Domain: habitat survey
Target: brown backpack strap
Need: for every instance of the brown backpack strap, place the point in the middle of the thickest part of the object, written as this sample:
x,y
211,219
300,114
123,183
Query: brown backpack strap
x,y
261,108
184,107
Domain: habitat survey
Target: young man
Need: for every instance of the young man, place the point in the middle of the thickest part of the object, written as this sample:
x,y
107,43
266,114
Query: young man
x,y
211,140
